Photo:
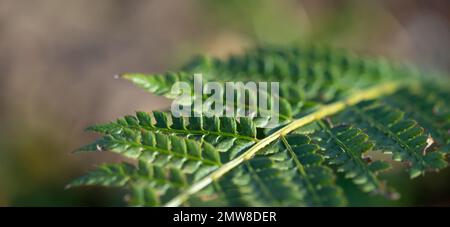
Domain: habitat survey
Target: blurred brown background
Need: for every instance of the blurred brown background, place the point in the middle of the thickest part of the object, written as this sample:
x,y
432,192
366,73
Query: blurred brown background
x,y
58,58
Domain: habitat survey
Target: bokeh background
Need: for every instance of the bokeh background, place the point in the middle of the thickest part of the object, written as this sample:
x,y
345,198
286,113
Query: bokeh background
x,y
58,58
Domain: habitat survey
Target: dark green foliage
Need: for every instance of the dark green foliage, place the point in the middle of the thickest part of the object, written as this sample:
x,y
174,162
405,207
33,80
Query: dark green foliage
x,y
208,155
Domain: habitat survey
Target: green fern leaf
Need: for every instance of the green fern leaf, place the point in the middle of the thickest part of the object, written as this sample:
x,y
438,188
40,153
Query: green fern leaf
x,y
375,105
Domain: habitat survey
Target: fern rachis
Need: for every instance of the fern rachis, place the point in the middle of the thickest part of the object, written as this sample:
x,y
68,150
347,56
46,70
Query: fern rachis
x,y
211,160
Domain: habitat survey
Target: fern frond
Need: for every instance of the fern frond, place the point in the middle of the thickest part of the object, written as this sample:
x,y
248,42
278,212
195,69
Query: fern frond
x,y
372,105
316,180
347,147
403,137
110,175
311,75
225,134
159,84
147,183
288,172
427,108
